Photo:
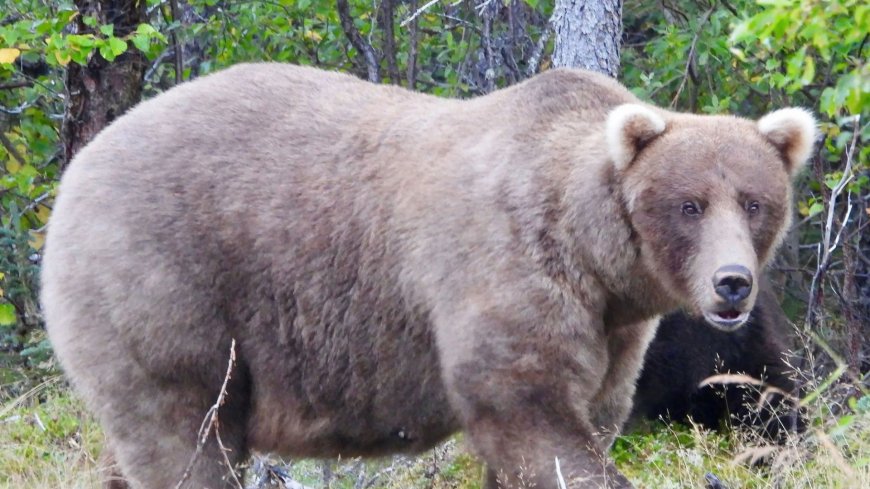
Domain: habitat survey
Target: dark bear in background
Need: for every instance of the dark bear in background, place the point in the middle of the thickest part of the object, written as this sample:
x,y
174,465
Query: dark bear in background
x,y
686,350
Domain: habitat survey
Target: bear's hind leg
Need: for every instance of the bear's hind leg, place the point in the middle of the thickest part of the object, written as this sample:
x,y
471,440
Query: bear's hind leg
x,y
154,434
110,474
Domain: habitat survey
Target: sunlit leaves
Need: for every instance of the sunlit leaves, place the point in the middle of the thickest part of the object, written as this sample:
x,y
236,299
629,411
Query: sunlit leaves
x,y
7,314
9,55
817,41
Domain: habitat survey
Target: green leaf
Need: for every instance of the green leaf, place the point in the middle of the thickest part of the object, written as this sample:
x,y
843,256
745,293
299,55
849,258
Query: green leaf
x,y
107,30
816,208
117,45
142,43
106,51
145,29
7,315
809,70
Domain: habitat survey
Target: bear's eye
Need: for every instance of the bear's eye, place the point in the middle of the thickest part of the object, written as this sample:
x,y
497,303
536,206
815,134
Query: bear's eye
x,y
690,208
753,207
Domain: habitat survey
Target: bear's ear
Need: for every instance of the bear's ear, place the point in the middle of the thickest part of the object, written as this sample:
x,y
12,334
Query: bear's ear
x,y
793,132
629,128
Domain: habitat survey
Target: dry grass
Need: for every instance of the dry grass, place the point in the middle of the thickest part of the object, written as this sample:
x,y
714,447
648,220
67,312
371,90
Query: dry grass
x,y
47,440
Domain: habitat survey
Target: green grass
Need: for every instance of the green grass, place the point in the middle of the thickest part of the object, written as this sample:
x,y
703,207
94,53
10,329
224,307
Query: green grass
x,y
48,440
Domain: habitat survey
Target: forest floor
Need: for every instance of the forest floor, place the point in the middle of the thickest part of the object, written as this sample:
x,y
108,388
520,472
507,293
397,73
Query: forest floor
x,y
48,440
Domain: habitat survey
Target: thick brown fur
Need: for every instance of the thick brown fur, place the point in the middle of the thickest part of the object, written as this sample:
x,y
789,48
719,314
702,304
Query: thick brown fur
x,y
394,267
686,351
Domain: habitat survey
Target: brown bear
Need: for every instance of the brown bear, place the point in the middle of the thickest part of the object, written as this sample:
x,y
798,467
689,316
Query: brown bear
x,y
686,351
394,267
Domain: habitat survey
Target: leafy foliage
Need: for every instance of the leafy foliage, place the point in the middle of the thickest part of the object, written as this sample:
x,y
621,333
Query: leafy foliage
x,y
740,56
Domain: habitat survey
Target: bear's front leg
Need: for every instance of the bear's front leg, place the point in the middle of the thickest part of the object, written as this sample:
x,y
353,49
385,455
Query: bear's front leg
x,y
521,378
626,346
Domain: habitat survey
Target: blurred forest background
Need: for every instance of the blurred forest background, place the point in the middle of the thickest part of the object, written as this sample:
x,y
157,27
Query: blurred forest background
x,y
68,68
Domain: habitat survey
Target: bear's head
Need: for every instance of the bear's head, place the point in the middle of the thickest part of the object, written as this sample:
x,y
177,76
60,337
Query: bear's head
x,y
710,198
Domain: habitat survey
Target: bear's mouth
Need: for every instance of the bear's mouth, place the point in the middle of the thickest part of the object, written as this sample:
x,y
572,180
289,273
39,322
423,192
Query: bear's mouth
x,y
727,320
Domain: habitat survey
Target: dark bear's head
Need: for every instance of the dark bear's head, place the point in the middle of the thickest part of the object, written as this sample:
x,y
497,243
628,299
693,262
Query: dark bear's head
x,y
710,197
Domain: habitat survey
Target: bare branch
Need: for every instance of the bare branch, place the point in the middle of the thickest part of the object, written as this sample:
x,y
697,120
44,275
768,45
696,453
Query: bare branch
x,y
690,58
360,44
418,12
540,46
826,248
387,16
11,148
412,49
16,84
489,76
178,48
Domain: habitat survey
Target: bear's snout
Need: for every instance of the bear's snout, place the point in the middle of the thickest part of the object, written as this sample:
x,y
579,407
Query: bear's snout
x,y
733,283
733,286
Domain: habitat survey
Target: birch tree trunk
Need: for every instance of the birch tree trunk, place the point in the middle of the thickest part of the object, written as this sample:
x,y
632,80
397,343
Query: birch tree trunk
x,y
588,34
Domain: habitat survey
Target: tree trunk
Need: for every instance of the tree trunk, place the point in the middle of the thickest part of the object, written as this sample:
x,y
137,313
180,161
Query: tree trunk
x,y
588,35
856,288
96,94
363,47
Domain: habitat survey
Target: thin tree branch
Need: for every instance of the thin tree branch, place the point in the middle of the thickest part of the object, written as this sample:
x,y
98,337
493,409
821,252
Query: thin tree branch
x,y
691,56
419,11
179,49
412,49
16,84
540,46
489,75
10,148
360,44
387,14
825,248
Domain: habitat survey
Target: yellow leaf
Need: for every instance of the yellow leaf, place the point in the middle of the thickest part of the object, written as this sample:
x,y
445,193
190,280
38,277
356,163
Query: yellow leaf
x,y
313,36
42,213
8,55
62,59
12,165
37,240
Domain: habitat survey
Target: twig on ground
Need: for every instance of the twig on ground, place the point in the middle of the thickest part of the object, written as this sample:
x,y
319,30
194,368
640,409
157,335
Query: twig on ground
x,y
559,478
211,423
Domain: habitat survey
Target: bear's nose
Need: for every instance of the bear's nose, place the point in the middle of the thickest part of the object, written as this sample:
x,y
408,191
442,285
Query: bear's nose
x,y
733,283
